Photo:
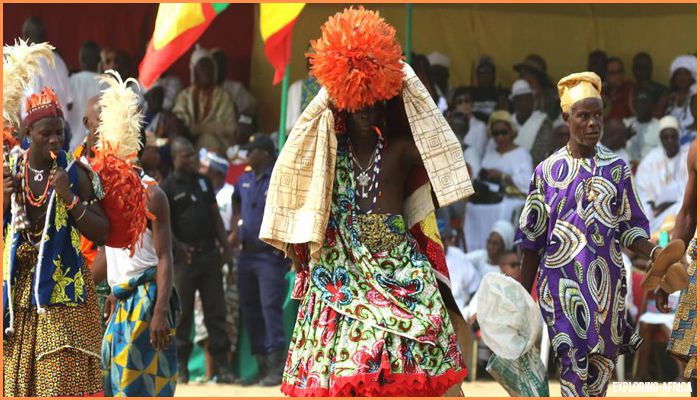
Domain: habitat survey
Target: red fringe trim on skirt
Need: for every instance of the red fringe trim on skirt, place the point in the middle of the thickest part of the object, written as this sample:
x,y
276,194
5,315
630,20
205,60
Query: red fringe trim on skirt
x,y
392,385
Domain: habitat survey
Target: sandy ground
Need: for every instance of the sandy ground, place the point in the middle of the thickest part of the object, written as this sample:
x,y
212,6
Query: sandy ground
x,y
471,389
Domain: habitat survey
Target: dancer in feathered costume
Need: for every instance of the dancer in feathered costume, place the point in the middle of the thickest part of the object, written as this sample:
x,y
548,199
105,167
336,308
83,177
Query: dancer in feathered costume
x,y
350,199
52,337
138,353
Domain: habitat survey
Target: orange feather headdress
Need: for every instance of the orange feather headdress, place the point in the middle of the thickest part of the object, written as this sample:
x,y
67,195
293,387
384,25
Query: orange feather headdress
x,y
357,59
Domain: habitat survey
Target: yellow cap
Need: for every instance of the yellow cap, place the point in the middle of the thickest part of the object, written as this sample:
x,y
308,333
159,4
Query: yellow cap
x,y
577,87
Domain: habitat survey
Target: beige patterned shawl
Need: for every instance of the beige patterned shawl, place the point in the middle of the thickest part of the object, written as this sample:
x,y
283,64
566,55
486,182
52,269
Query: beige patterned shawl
x,y
299,198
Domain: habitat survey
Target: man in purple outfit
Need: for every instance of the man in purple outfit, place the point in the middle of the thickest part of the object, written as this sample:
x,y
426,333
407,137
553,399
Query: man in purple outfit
x,y
582,207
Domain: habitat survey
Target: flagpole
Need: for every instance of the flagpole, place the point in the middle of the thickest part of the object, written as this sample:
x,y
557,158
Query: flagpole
x,y
283,110
409,32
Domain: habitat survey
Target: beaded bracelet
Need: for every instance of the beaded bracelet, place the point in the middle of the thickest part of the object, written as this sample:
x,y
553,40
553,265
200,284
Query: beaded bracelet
x,y
73,203
90,202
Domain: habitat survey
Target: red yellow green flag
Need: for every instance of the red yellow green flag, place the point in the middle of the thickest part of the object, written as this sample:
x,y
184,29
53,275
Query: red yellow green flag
x,y
178,26
276,23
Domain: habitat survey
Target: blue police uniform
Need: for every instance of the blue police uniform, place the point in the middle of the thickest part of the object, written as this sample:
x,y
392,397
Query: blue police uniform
x,y
261,269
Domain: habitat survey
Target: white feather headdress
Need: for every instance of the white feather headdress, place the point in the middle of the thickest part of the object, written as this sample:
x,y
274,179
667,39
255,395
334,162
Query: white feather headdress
x,y
119,130
20,63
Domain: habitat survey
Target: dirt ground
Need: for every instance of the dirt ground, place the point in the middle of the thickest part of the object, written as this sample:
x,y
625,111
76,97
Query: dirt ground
x,y
471,389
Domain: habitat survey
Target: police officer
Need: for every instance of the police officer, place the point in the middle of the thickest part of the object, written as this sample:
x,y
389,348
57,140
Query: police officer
x,y
197,227
261,268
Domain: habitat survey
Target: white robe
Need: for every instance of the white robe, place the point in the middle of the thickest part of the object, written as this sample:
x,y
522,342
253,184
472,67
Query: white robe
x,y
55,78
645,139
661,179
84,85
464,277
479,218
527,132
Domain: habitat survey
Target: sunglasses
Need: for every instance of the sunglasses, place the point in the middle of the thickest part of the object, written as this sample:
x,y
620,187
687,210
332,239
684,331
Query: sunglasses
x,y
500,132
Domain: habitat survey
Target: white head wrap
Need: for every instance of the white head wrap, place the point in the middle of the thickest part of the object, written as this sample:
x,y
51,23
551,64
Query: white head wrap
x,y
685,62
198,54
436,58
505,230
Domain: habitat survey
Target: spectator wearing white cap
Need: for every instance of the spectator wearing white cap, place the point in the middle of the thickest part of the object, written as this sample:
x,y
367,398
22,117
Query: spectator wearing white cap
x,y
204,107
440,73
644,127
683,74
662,174
534,127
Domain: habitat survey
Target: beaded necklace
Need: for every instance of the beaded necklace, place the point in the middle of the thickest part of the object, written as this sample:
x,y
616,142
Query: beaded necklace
x,y
367,182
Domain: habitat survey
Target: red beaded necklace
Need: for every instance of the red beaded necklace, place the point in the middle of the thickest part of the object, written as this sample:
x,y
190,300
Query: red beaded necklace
x,y
28,194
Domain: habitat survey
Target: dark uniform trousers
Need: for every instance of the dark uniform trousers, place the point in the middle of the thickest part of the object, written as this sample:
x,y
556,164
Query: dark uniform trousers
x,y
262,289
204,274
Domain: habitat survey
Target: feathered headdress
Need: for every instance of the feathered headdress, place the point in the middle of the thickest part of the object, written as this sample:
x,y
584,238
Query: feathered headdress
x,y
119,140
20,65
357,59
119,130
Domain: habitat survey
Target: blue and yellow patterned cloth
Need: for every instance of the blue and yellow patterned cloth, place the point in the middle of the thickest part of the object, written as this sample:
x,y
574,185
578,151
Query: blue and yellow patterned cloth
x,y
61,280
131,366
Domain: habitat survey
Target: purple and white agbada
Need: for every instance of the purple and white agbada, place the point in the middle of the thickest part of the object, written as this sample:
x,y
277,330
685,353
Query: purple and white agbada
x,y
578,214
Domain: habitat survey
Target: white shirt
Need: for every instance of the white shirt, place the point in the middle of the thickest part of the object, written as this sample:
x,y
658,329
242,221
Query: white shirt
x,y
84,85
527,132
54,77
294,104
480,260
243,100
517,163
645,139
121,266
223,199
661,179
477,136
464,278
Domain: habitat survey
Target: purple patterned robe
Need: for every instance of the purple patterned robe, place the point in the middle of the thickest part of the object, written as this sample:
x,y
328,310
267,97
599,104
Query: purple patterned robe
x,y
577,215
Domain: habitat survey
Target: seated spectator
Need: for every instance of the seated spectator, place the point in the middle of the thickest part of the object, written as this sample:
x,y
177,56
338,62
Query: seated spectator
x,y
644,128
464,277
677,102
617,90
486,96
499,240
476,135
205,109
504,177
662,175
534,127
614,138
642,68
534,71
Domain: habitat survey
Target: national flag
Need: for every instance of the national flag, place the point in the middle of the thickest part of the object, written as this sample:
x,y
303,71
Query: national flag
x,y
276,23
178,26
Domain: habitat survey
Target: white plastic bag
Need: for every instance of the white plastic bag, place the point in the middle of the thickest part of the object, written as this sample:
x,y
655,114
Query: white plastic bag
x,y
508,317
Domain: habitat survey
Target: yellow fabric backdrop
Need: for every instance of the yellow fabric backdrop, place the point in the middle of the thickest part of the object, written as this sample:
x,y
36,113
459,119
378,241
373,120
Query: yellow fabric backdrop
x,y
563,34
